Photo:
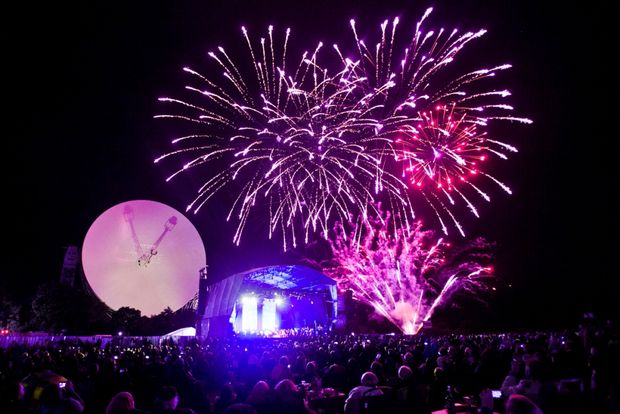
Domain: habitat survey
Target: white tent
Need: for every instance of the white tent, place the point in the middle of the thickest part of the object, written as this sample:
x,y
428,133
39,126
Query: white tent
x,y
189,331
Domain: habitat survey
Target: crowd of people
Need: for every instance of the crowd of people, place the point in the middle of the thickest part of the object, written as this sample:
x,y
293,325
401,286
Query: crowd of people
x,y
573,371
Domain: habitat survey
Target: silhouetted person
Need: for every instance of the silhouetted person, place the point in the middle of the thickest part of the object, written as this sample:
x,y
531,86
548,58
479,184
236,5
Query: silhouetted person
x,y
260,398
15,402
288,399
227,397
520,404
367,388
122,403
54,401
167,402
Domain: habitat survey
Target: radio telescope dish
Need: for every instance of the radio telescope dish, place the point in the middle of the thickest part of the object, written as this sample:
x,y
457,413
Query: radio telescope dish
x,y
145,255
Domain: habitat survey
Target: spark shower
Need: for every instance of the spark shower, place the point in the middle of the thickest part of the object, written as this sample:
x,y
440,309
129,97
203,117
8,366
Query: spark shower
x,y
309,139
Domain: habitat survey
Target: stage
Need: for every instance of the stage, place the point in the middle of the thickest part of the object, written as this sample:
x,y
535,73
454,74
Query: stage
x,y
273,301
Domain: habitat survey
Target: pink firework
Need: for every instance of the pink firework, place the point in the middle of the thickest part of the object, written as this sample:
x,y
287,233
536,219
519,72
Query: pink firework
x,y
405,275
443,152
434,116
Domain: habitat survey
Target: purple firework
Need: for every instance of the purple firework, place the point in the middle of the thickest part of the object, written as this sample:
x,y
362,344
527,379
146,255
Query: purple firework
x,y
405,276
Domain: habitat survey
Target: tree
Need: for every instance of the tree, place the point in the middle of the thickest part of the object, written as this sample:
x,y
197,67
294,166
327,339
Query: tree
x,y
54,310
9,314
127,320
167,321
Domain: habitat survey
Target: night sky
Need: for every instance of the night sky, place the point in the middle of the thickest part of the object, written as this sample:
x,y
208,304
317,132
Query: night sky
x,y
80,90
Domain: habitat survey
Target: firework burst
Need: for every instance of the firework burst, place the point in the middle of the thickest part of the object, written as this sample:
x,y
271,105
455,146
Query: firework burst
x,y
435,131
288,134
405,276
310,146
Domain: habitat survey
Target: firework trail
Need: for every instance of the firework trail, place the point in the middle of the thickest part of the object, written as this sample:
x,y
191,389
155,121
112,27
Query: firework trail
x,y
405,276
436,130
288,136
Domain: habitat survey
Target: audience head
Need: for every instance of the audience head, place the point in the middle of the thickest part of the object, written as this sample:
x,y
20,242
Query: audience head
x,y
404,372
369,379
408,358
311,367
259,393
520,404
168,398
261,387
121,403
376,367
286,387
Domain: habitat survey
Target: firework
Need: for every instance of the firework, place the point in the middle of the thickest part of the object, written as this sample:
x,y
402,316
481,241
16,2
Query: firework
x,y
405,276
310,141
288,135
435,130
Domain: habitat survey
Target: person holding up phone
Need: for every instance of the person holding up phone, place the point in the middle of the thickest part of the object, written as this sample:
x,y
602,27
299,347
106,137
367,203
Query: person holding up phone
x,y
60,397
515,404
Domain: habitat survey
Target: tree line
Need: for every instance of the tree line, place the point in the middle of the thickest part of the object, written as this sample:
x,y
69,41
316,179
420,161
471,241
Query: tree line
x,y
57,308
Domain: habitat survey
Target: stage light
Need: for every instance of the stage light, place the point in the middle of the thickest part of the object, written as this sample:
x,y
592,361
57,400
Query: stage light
x,y
249,314
279,300
248,300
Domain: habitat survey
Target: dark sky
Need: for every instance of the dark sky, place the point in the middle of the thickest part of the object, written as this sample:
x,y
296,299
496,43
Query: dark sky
x,y
81,85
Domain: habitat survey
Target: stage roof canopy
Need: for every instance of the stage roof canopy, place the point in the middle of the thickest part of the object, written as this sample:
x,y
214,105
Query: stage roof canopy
x,y
290,277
